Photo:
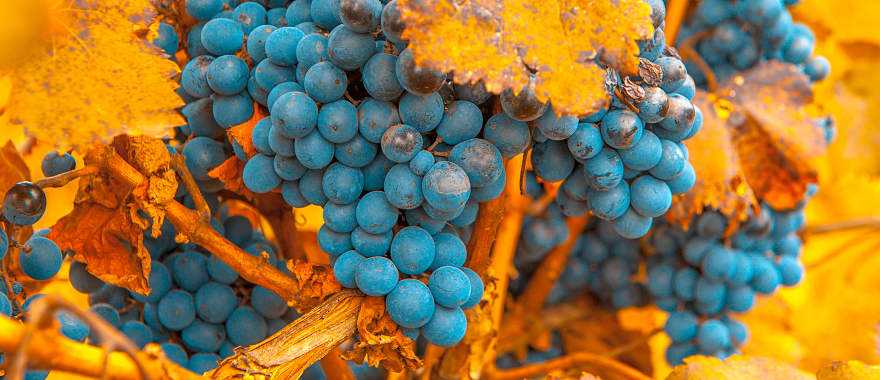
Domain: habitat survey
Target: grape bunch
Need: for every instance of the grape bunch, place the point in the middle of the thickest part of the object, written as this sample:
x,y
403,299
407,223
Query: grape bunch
x,y
733,36
39,258
391,151
623,162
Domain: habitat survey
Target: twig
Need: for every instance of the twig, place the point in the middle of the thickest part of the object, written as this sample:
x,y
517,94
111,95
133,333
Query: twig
x,y
852,224
335,368
436,142
675,11
485,230
432,357
540,205
522,170
551,267
552,318
191,186
287,353
63,179
635,343
569,361
846,246
47,350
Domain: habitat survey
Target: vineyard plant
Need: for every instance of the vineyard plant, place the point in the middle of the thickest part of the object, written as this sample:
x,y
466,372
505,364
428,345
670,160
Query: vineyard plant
x,y
439,189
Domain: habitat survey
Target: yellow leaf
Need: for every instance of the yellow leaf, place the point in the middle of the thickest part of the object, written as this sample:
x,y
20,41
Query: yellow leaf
x,y
851,370
500,41
87,73
736,367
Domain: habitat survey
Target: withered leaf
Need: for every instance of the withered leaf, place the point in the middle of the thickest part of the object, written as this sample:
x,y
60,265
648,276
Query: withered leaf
x,y
720,183
106,227
500,41
12,168
381,342
777,140
736,367
650,72
242,133
316,283
850,370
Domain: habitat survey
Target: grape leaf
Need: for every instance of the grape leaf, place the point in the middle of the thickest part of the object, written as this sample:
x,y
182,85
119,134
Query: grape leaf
x,y
12,168
850,370
758,142
242,133
720,182
106,228
735,368
381,342
500,41
86,73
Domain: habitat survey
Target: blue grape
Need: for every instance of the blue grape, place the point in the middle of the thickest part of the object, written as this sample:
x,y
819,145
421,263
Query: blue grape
x,y
473,92
203,10
680,114
288,168
449,286
200,119
275,17
361,16
221,36
674,73
214,302
446,186
175,353
80,278
41,259
684,181
446,327
410,304
250,15
422,112
227,75
421,162
245,326
325,13
740,299
451,251
552,161
645,154
791,271
817,68
176,310
586,142
375,117
660,280
259,174
298,11
260,136
279,144
403,188
295,114
203,337
510,136
311,49
368,244
476,288
632,225
718,263
375,214
340,217
342,184
672,161
604,171
194,45
332,242
524,105
267,303
348,49
313,150
415,79
479,159
281,45
311,187
412,250
345,266
325,82
713,336
649,196
621,129
401,142
138,332
71,326
202,362
232,110
269,75
337,121
556,127
55,163
378,77
292,195
376,276
193,77
159,281
281,89
392,23
107,312
5,305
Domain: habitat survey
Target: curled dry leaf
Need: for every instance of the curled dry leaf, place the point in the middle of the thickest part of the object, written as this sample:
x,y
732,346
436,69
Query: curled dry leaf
x,y
757,143
497,41
316,283
105,230
735,368
81,71
381,342
12,168
229,172
242,133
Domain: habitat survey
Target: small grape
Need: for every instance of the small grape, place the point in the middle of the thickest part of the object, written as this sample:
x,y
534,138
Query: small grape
x,y
24,204
410,304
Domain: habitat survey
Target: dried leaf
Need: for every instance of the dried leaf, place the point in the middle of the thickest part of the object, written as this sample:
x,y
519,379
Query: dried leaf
x,y
242,133
84,72
736,367
230,173
105,229
316,283
12,168
381,342
720,182
500,41
851,370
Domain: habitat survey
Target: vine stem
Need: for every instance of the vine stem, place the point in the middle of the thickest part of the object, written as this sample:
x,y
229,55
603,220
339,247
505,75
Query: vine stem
x,y
552,318
675,11
63,179
689,52
191,186
48,350
852,224
569,361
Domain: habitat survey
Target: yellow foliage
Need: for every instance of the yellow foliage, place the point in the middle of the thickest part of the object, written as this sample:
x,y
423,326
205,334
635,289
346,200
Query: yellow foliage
x,y
851,370
736,367
498,41
87,73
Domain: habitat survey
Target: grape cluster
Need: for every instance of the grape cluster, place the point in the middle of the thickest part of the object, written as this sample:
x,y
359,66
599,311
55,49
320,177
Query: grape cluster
x,y
198,308
733,36
623,162
701,278
390,150
39,258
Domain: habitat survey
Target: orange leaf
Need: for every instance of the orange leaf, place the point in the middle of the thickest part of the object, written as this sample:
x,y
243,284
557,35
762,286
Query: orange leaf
x,y
12,168
734,368
242,133
500,41
106,228
229,172
316,283
380,340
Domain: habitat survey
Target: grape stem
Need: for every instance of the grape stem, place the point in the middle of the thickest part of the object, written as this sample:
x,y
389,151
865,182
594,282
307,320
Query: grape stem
x,y
436,142
675,11
191,186
852,224
63,179
635,343
688,52
335,368
46,350
574,360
